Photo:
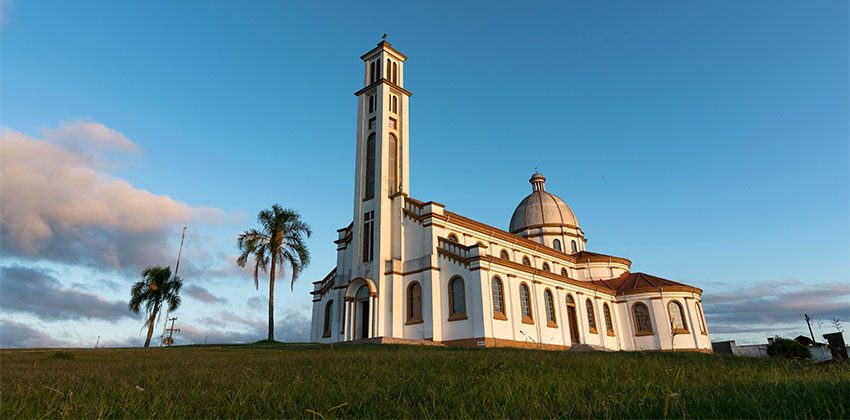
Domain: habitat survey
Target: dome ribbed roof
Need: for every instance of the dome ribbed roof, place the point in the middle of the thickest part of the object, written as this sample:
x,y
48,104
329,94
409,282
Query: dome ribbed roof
x,y
541,208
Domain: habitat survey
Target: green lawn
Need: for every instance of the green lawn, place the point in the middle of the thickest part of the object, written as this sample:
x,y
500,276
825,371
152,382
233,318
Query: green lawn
x,y
407,381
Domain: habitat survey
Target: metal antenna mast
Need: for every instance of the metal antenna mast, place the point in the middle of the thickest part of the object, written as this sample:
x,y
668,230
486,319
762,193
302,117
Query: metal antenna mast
x,y
176,267
170,339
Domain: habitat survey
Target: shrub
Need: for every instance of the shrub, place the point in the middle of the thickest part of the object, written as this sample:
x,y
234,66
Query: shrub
x,y
790,349
63,355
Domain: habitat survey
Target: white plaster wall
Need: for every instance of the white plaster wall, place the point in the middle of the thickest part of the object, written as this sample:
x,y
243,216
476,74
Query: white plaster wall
x,y
472,326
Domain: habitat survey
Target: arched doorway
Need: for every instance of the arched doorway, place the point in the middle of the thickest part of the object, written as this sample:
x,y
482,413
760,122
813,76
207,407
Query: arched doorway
x,y
361,313
572,320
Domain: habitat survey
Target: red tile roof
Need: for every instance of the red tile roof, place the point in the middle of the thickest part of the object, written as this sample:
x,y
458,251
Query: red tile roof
x,y
630,283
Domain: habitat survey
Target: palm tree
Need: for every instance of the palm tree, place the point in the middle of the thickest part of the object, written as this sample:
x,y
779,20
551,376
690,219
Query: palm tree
x,y
157,287
280,241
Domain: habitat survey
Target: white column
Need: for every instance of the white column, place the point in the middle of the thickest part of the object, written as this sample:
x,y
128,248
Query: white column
x,y
690,313
601,328
536,311
344,321
581,320
560,301
510,305
353,321
657,320
615,322
374,314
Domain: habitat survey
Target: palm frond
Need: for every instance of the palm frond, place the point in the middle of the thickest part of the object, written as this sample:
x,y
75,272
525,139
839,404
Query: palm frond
x,y
281,239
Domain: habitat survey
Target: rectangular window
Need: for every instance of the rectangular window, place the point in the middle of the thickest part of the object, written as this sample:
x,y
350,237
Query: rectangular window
x,y
368,235
392,162
371,124
369,188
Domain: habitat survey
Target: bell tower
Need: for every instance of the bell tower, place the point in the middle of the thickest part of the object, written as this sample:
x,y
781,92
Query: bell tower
x,y
381,166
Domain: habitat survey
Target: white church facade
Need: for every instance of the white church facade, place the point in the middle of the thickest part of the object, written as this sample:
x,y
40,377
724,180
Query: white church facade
x,y
409,270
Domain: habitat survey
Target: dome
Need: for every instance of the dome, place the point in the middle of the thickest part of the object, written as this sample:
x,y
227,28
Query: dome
x,y
541,208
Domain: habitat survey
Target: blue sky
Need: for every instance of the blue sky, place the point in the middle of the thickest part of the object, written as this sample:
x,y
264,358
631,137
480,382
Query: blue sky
x,y
706,142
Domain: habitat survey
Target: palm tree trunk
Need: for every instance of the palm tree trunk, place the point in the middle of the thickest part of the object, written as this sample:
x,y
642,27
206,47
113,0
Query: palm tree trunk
x,y
271,300
151,324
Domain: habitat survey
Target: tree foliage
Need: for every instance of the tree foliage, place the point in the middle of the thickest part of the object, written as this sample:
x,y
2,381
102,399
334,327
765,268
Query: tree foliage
x,y
156,288
280,244
787,348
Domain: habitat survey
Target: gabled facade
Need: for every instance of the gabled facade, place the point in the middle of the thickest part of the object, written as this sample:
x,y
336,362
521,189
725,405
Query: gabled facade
x,y
411,270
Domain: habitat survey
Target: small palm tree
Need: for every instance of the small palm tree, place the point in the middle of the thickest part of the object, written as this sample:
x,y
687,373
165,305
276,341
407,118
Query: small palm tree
x,y
280,242
157,287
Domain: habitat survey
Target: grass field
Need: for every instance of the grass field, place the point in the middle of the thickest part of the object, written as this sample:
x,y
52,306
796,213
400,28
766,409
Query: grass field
x,y
405,381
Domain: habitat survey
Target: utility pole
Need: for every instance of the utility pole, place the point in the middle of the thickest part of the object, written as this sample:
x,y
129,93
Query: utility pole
x,y
170,339
176,267
808,319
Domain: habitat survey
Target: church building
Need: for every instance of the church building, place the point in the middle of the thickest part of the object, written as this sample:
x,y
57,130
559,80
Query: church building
x,y
412,271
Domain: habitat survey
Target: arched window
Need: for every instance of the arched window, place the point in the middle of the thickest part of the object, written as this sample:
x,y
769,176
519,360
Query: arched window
x,y
591,319
551,321
498,299
574,246
526,261
392,162
701,315
457,299
327,328
643,325
609,324
369,192
395,73
564,272
372,72
395,104
452,238
546,267
377,70
414,303
371,105
389,70
525,300
556,244
504,255
677,317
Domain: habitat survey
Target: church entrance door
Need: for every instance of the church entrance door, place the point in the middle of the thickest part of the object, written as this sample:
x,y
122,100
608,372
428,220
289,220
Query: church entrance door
x,y
361,307
364,319
571,317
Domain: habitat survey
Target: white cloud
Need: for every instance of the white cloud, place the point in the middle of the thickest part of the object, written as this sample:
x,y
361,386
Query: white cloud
x,y
89,138
59,205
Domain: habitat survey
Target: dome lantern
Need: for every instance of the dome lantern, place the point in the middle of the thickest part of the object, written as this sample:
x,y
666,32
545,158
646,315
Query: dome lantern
x,y
538,182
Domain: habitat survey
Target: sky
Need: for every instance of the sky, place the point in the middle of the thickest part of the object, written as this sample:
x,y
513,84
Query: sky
x,y
706,142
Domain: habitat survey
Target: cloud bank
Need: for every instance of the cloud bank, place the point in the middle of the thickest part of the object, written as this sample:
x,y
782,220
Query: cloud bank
x,y
60,204
16,334
770,308
39,293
